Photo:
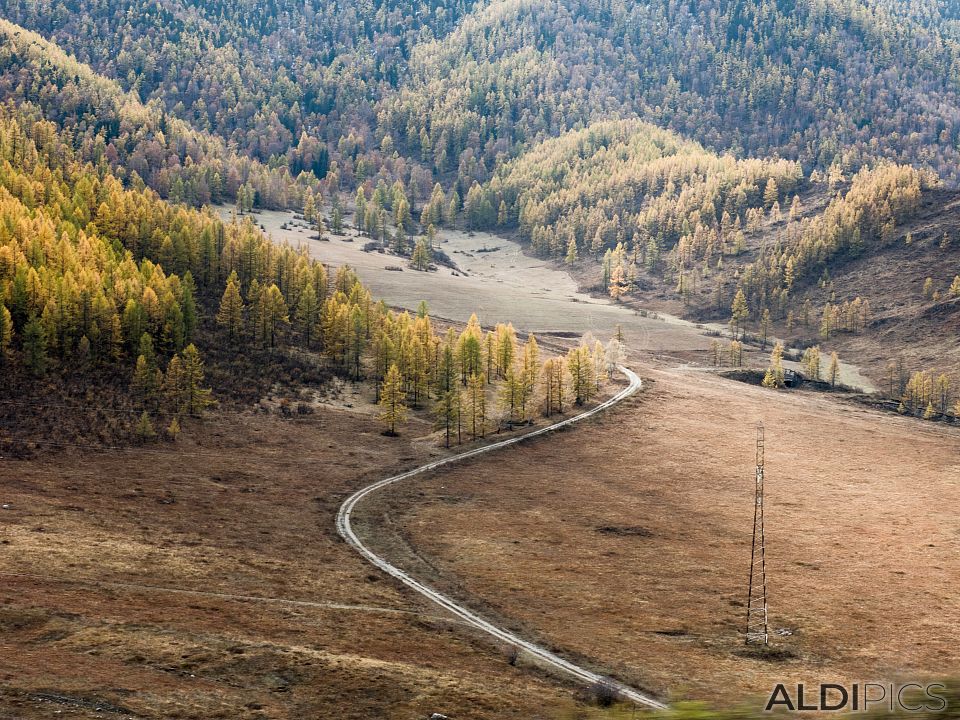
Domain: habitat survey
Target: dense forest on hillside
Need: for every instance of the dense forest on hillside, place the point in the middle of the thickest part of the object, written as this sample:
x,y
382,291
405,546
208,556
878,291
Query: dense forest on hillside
x,y
629,183
853,224
100,284
106,292
821,82
267,76
140,143
670,141
449,91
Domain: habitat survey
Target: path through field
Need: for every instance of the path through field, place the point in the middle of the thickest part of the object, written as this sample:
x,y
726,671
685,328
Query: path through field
x,y
542,655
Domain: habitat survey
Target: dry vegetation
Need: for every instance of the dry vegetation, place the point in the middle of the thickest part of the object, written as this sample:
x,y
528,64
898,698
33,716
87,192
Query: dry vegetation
x,y
204,579
207,580
627,541
118,571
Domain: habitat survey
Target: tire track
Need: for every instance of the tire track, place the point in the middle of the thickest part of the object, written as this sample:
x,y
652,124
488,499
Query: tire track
x,y
141,587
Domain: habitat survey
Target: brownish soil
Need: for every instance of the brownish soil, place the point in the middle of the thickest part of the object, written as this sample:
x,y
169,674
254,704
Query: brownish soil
x,y
627,540
206,580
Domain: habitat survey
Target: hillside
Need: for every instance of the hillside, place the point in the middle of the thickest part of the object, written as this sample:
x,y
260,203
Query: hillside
x,y
911,326
451,90
629,183
267,77
821,261
140,143
507,105
105,290
816,82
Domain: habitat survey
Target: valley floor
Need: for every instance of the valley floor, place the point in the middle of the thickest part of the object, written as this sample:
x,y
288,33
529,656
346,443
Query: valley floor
x,y
208,580
627,542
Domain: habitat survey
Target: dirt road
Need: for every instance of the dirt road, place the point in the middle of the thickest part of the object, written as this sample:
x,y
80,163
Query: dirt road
x,y
541,654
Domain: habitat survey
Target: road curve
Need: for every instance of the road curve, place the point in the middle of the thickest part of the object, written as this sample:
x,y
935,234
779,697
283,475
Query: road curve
x,y
470,618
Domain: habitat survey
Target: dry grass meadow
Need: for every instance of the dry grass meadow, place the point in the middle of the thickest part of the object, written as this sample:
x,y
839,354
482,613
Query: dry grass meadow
x,y
206,579
627,541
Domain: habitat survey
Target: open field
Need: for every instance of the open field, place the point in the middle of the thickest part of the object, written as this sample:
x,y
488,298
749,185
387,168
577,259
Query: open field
x,y
628,540
500,283
208,581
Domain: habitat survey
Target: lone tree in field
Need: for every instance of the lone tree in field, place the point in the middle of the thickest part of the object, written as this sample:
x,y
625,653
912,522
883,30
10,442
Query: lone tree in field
x,y
774,375
393,411
173,429
421,256
144,429
738,313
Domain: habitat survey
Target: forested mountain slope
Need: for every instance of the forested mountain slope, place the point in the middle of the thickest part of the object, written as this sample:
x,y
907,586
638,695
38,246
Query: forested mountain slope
x,y
452,89
671,140
104,290
140,143
258,74
805,80
108,295
630,183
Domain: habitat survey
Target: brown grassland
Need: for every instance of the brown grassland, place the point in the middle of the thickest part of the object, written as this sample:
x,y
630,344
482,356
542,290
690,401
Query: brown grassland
x,y
627,541
205,579
92,545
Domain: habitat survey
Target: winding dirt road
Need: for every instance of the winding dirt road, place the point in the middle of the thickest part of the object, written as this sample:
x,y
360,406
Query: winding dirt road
x,y
541,654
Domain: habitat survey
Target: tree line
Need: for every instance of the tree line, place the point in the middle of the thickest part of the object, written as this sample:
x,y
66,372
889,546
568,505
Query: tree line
x,y
477,381
121,282
118,282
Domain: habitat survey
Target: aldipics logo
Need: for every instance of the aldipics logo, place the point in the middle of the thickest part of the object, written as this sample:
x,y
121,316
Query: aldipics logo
x,y
859,697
